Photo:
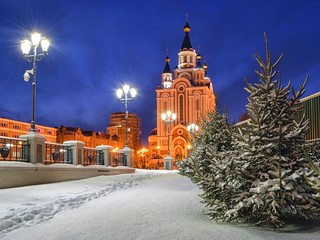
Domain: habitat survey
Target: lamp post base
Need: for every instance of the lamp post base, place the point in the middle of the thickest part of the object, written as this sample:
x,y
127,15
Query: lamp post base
x,y
167,162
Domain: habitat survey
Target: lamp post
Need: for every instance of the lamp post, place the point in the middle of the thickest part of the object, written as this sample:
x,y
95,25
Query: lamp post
x,y
168,118
142,153
123,96
26,46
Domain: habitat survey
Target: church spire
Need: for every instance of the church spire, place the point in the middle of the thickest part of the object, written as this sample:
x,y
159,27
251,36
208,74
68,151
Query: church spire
x,y
167,66
167,74
186,45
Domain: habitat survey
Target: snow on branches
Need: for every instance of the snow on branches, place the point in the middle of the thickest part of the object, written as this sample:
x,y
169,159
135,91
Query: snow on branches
x,y
259,173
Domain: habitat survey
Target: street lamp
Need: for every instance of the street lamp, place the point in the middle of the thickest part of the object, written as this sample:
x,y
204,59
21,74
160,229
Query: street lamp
x,y
26,45
142,153
168,118
192,128
123,96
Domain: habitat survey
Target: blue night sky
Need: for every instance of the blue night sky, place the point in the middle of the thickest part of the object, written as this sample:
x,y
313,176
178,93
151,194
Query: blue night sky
x,y
99,45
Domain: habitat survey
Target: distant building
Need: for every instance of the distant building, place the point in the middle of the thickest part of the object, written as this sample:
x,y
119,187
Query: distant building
x,y
188,92
117,130
13,128
91,139
311,109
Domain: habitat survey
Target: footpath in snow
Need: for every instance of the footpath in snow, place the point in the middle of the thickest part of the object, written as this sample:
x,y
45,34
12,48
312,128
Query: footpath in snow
x,y
145,205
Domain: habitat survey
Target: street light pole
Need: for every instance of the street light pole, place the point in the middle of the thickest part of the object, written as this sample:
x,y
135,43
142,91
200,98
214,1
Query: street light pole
x,y
26,46
123,96
168,118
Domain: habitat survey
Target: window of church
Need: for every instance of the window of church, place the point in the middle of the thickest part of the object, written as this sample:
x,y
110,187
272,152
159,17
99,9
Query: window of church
x,y
181,108
197,104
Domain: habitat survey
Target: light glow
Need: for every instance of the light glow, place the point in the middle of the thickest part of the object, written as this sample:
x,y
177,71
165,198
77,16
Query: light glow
x,y
126,88
119,93
25,46
133,92
45,45
35,38
192,128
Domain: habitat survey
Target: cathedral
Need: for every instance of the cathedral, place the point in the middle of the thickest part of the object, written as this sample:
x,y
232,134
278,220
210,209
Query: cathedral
x,y
187,91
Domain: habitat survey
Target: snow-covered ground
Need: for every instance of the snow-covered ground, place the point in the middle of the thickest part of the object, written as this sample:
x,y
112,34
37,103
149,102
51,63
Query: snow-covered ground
x,y
145,205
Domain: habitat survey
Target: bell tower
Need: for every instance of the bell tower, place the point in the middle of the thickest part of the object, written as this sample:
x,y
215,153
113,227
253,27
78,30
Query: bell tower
x,y
187,92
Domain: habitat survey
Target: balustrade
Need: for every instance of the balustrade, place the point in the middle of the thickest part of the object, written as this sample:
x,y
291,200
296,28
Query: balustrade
x,y
14,149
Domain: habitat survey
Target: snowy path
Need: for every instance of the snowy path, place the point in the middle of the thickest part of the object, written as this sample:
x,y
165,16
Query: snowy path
x,y
146,205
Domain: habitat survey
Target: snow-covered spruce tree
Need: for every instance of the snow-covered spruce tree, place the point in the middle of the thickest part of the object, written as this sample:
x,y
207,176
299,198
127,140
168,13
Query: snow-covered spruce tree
x,y
273,177
211,166
213,138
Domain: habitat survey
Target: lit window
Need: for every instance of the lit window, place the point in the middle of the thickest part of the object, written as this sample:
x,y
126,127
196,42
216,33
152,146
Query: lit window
x,y
181,107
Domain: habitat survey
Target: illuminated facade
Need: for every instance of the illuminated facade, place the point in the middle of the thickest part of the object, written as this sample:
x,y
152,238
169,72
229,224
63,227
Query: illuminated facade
x,y
13,128
117,130
91,139
188,92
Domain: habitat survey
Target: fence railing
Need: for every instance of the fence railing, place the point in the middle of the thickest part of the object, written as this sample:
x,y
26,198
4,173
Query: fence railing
x,y
33,148
92,156
57,153
14,149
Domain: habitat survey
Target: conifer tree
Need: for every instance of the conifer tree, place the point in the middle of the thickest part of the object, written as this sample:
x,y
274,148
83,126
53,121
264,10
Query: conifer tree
x,y
260,174
213,138
274,176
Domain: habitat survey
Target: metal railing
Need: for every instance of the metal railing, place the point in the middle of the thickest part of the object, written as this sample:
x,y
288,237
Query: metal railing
x,y
92,156
14,149
57,153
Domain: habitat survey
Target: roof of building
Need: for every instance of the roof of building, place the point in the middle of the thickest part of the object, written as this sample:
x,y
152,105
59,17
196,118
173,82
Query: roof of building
x,y
88,133
167,66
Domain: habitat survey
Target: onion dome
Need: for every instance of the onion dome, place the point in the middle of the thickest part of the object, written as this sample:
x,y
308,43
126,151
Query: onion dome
x,y
198,57
205,66
186,28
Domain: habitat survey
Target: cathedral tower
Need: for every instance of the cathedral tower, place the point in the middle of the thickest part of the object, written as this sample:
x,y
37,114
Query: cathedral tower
x,y
188,92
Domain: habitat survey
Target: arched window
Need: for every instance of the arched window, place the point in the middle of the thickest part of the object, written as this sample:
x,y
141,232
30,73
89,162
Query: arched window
x,y
181,110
